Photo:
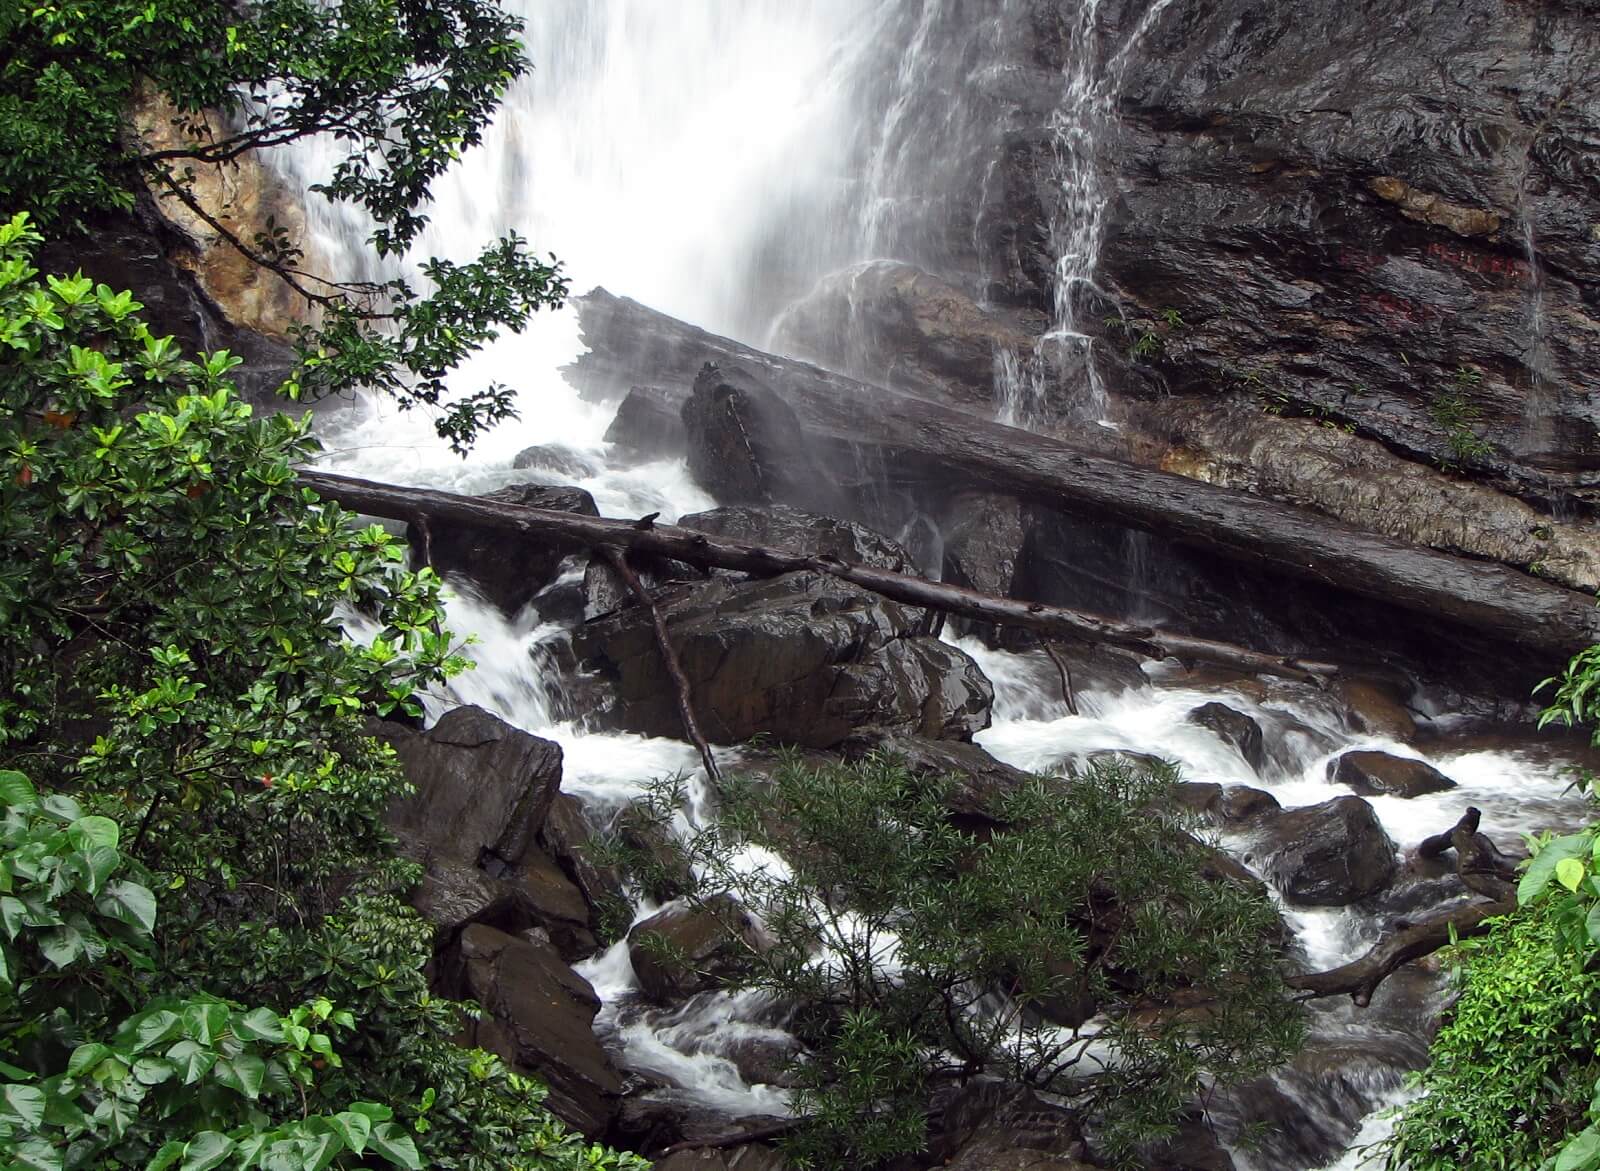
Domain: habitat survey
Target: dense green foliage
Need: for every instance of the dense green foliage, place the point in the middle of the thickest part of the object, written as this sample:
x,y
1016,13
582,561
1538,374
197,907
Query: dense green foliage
x,y
1514,1077
916,951
403,86
174,660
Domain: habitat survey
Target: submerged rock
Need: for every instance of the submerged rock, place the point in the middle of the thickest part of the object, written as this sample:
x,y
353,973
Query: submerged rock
x,y
683,949
1327,855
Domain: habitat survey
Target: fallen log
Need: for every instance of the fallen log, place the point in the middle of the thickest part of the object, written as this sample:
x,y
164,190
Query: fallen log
x,y
630,343
418,504
1360,978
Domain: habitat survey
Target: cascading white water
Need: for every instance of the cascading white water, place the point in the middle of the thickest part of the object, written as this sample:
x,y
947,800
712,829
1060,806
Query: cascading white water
x,y
705,157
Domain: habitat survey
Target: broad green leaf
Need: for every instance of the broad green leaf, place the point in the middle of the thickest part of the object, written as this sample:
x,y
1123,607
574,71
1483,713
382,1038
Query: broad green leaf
x,y
243,1073
1581,1152
23,1104
353,1128
85,1057
1569,873
1543,867
193,1060
91,832
17,791
61,807
63,946
205,1021
102,862
169,1154
152,1071
206,1150
155,1027
259,1024
129,903
35,1154
396,1145
376,1111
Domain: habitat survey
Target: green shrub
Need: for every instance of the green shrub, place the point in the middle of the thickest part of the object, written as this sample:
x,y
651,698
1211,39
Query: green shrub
x,y
173,658
914,951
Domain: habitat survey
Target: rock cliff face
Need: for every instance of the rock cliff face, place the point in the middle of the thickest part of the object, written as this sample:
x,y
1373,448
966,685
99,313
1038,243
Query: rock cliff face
x,y
1383,213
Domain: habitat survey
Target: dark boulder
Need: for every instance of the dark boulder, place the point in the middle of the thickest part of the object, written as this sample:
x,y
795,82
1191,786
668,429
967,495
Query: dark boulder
x,y
993,1127
567,836
506,569
481,787
982,782
1377,774
750,1157
684,949
649,424
1233,728
1228,805
1327,855
538,1016
1375,709
482,791
746,445
803,658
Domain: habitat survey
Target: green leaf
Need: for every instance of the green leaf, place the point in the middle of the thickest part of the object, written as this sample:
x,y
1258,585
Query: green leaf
x,y
94,831
1569,873
17,791
193,1060
206,1150
396,1145
85,1057
205,1021
353,1128
36,1155
22,1103
63,946
129,903
1581,1153
243,1073
259,1024
169,1154
155,1027
1543,867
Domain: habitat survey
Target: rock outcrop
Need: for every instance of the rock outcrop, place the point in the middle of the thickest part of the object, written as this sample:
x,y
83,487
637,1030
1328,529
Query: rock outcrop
x,y
1327,855
1378,774
802,658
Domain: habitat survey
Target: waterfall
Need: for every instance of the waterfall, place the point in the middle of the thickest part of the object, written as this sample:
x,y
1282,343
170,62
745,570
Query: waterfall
x,y
715,159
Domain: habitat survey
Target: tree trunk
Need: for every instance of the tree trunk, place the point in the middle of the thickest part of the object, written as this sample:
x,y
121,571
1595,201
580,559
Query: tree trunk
x,y
630,343
418,504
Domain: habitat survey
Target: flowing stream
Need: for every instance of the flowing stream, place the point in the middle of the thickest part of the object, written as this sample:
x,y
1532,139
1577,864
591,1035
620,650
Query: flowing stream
x,y
714,160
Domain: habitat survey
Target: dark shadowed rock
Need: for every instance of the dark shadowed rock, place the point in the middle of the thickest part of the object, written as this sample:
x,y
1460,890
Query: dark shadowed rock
x,y
1233,728
746,445
684,949
482,787
1228,805
992,1127
538,1016
801,532
983,781
803,658
751,1157
566,836
1377,774
1327,855
482,793
649,424
506,569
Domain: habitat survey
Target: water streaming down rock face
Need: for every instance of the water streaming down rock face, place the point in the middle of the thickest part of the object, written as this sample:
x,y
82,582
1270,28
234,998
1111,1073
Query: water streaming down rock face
x,y
717,160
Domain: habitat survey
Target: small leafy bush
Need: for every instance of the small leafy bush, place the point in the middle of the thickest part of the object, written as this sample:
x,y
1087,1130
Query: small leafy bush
x,y
913,950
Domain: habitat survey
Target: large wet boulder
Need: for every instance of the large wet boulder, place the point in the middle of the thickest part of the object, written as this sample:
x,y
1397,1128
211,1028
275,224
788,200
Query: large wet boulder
x,y
1378,774
993,1127
803,658
507,569
538,1016
684,949
1233,728
1327,855
893,324
746,445
482,791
